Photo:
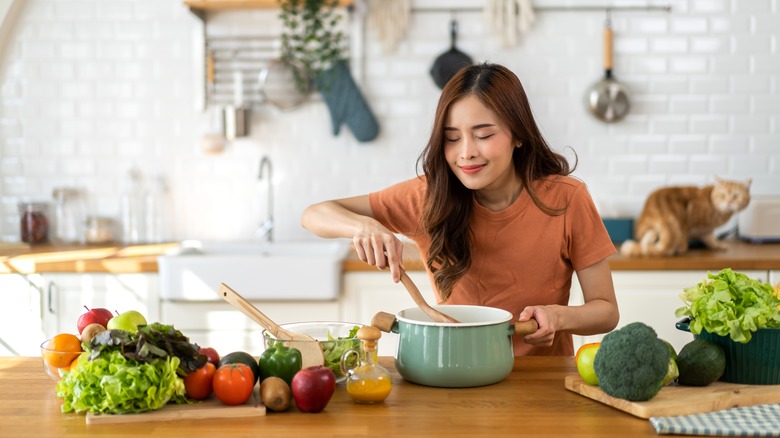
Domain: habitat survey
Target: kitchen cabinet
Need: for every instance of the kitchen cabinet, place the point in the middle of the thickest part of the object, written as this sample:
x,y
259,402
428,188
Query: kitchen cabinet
x,y
67,294
221,326
21,314
366,293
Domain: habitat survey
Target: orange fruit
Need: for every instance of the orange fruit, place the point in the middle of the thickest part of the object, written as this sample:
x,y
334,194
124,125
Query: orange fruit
x,y
64,349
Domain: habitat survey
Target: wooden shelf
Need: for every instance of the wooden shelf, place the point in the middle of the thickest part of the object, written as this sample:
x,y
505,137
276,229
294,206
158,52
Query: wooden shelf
x,y
220,5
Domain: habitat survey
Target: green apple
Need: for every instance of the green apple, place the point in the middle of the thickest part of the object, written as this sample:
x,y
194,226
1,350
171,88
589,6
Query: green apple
x,y
128,321
586,355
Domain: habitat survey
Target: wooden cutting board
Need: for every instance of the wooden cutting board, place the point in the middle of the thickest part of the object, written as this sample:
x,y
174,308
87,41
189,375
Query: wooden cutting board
x,y
683,400
209,408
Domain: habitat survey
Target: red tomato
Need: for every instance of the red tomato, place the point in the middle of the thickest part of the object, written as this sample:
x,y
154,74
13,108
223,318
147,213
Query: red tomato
x,y
198,383
233,383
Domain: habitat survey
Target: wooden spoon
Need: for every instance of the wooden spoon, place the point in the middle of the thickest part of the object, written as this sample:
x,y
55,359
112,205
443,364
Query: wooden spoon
x,y
421,303
311,352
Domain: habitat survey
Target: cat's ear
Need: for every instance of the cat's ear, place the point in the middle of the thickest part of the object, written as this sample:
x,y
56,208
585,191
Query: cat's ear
x,y
717,179
748,182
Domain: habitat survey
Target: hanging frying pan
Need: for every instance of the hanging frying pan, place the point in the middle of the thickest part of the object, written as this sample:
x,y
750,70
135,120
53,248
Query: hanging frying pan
x,y
449,62
608,99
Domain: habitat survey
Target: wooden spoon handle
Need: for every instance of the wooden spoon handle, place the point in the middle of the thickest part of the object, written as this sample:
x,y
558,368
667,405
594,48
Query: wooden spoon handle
x,y
526,327
420,301
252,312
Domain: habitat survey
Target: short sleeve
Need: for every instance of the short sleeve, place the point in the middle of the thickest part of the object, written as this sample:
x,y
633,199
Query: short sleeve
x,y
587,240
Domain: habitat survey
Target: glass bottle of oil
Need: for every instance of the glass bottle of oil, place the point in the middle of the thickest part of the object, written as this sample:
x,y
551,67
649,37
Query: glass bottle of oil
x,y
368,382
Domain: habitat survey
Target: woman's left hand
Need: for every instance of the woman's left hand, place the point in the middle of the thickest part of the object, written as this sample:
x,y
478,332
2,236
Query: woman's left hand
x,y
544,335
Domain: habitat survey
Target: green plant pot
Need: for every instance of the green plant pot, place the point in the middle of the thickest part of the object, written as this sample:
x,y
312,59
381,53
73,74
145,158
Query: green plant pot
x,y
753,363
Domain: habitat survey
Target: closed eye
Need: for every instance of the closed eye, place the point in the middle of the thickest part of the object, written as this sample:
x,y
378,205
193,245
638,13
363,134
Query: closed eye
x,y
485,137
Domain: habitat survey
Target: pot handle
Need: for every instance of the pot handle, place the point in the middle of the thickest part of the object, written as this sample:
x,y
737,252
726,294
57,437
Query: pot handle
x,y
385,322
526,327
684,325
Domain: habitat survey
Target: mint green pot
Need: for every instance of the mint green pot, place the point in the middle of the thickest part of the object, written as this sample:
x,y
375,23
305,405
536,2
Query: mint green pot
x,y
476,352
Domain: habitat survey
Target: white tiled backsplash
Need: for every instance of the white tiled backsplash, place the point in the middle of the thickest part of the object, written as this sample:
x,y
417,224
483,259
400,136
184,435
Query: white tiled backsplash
x,y
89,88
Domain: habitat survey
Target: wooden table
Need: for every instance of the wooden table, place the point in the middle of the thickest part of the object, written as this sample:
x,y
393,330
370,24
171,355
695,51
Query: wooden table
x,y
532,401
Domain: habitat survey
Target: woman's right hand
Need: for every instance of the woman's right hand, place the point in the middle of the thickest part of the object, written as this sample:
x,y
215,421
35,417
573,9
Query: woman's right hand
x,y
353,217
379,247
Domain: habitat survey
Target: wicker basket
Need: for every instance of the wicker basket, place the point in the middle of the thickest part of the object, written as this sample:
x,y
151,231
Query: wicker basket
x,y
754,363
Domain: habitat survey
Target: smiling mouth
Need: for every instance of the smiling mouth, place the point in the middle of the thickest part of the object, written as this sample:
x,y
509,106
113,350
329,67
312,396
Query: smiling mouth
x,y
472,168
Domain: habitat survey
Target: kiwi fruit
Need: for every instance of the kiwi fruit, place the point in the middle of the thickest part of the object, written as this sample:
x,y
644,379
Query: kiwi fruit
x,y
275,393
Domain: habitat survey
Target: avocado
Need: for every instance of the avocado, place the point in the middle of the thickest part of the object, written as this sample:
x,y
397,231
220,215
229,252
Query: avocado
x,y
700,362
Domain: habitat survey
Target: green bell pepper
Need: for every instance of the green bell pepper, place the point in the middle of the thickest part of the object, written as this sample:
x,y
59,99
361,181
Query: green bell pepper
x,y
280,361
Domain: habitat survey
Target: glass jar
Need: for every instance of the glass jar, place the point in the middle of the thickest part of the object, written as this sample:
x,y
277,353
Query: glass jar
x,y
68,216
34,222
369,382
100,229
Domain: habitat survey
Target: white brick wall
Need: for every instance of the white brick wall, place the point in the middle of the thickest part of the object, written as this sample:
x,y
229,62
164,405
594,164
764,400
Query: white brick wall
x,y
89,88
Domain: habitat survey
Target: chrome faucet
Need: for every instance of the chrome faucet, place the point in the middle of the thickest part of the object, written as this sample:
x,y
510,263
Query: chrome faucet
x,y
266,229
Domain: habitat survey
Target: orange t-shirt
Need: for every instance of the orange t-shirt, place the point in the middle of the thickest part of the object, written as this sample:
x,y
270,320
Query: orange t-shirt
x,y
520,256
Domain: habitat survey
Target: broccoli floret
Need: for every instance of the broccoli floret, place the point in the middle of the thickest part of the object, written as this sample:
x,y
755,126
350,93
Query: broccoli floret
x,y
632,362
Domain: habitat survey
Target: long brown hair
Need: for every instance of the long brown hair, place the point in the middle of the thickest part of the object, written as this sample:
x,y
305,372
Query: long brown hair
x,y
448,203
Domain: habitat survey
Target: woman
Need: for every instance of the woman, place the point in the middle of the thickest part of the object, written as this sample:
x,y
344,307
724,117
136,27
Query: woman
x,y
495,216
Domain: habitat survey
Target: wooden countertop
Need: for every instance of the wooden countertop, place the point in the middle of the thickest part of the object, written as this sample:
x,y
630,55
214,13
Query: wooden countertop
x,y
82,258
739,256
532,401
143,258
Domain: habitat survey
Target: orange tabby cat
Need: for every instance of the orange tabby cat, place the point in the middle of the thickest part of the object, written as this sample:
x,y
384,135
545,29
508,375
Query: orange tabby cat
x,y
674,215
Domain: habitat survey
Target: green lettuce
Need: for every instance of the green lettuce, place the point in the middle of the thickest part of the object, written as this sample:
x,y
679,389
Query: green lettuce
x,y
113,384
333,350
730,304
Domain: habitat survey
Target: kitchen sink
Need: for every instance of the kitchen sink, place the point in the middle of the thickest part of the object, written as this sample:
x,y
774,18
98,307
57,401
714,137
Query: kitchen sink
x,y
309,270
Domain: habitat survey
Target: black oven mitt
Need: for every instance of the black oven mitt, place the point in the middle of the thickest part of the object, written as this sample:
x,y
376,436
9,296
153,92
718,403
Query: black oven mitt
x,y
346,103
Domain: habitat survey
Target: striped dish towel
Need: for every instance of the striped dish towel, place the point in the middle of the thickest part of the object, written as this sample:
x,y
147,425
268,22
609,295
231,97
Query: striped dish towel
x,y
759,420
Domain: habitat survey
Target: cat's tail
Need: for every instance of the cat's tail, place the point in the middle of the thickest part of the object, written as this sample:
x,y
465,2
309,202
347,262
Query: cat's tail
x,y
630,248
652,243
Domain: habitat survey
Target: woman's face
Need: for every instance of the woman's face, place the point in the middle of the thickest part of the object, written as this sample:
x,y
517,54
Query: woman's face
x,y
478,147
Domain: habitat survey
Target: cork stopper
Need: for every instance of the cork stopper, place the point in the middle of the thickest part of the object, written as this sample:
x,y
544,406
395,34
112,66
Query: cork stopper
x,y
368,336
369,333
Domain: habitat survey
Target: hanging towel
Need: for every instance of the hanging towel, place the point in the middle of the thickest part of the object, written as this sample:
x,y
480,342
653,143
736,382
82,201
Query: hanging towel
x,y
759,420
346,103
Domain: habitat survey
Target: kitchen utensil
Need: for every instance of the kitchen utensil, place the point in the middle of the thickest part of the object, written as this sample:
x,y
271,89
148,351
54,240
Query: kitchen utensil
x,y
449,62
236,122
756,362
210,73
676,400
282,85
478,351
311,353
608,99
209,408
421,303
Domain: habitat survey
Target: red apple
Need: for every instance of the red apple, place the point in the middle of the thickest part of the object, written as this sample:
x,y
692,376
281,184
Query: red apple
x,y
96,315
211,354
312,388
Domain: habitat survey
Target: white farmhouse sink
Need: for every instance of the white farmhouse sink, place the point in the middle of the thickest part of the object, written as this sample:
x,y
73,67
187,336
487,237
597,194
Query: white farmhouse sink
x,y
256,270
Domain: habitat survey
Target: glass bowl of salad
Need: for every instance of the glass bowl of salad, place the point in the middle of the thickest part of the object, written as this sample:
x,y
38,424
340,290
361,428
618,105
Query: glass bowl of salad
x,y
334,337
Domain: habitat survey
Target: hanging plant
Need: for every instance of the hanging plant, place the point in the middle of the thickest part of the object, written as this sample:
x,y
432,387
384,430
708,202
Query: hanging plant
x,y
312,41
